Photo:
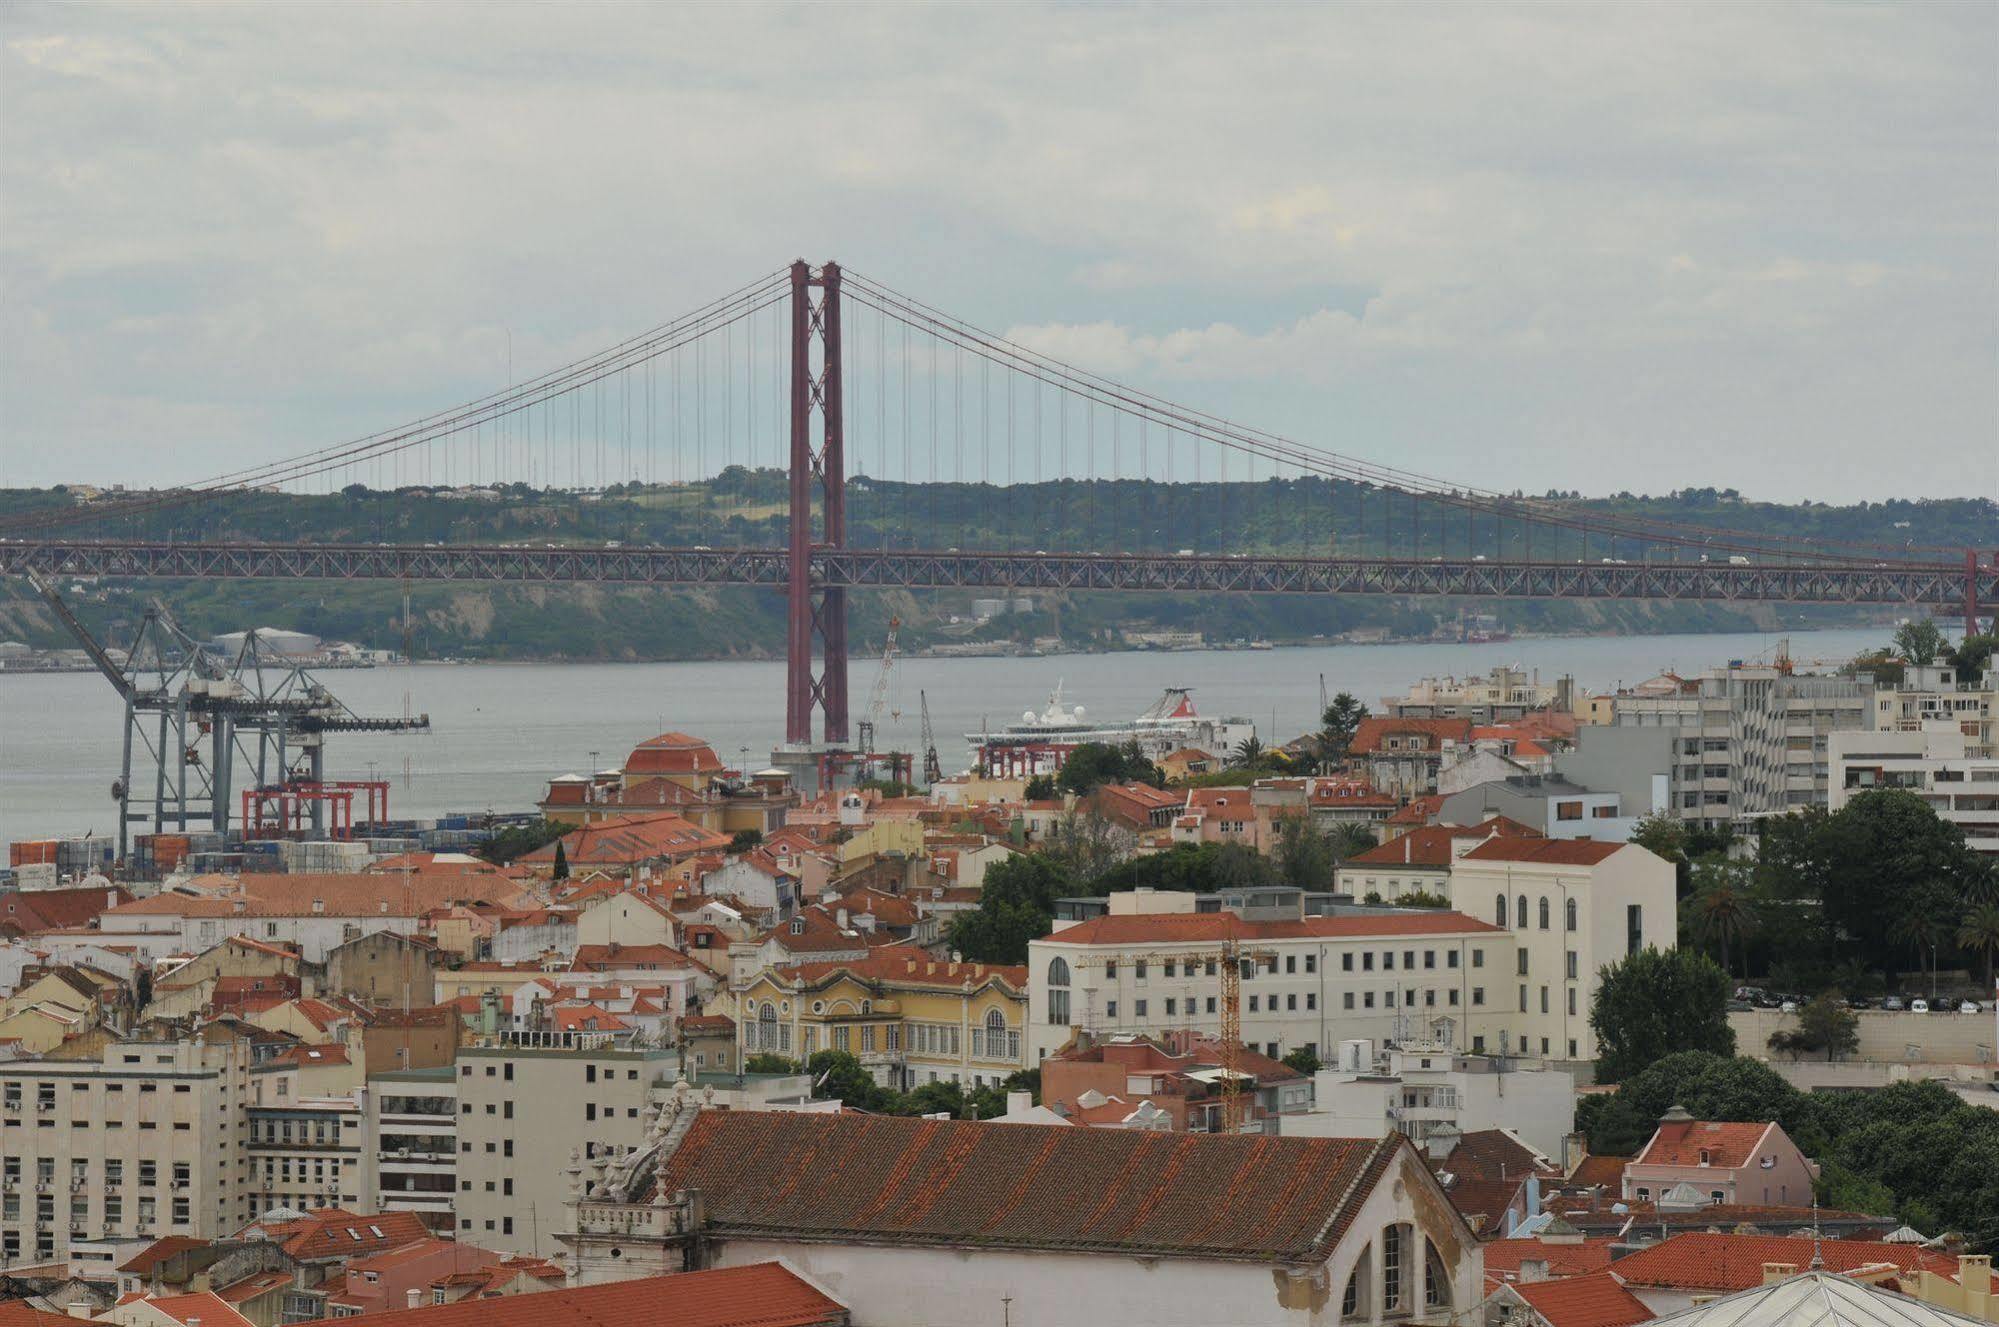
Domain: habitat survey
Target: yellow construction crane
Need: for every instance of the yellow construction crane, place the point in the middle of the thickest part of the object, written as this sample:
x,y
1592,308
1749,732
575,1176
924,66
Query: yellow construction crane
x,y
1228,962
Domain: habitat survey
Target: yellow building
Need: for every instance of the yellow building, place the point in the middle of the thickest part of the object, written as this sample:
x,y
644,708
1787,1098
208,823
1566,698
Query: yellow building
x,y
909,1019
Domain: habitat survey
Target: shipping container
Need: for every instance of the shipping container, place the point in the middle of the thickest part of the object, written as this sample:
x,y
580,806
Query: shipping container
x,y
31,851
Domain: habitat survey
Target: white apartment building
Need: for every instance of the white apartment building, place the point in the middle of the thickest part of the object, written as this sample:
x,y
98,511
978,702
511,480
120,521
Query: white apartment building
x,y
522,1112
413,1118
149,1140
308,1152
1501,695
1753,741
1425,1090
1938,698
1570,906
1934,762
1311,982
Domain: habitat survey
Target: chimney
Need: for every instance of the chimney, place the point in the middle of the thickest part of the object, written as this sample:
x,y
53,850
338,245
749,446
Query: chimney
x,y
415,1297
110,898
1974,1273
1019,1103
1533,1269
1676,1115
1774,1272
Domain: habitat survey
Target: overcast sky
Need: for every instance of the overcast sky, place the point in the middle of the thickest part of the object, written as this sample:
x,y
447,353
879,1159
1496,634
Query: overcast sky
x,y
1626,246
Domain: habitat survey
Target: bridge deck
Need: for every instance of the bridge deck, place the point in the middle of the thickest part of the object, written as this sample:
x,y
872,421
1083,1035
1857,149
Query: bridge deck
x,y
1929,585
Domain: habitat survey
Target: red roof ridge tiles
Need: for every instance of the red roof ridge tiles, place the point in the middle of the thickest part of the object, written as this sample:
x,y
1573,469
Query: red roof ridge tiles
x,y
1596,1300
1705,1261
1549,852
758,1295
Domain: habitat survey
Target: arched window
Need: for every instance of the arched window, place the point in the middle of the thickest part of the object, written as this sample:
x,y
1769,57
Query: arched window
x,y
1058,992
1357,1303
1499,911
1395,1272
1058,971
995,1035
1436,1279
1520,913
767,1028
1569,909
1544,912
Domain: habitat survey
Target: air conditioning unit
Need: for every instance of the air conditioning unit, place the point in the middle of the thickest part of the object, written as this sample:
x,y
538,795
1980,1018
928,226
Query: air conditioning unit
x,y
41,1186
45,1105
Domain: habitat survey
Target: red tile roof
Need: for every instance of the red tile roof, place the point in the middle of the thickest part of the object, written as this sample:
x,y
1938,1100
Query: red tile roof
x,y
200,1306
1598,1300
1727,1263
628,840
15,1313
36,910
1549,852
673,753
1190,927
1369,735
961,1183
1681,1143
1504,1256
760,1295
1604,1171
909,966
145,1260
334,1232
1419,810
1494,1154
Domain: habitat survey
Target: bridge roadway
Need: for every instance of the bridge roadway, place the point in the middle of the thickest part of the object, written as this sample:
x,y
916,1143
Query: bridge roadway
x,y
1925,584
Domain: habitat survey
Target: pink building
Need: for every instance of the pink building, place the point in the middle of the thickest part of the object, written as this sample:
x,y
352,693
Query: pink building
x,y
1750,1164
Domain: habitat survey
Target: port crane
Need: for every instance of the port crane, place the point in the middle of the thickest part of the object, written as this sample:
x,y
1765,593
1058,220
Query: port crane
x,y
933,769
865,759
196,713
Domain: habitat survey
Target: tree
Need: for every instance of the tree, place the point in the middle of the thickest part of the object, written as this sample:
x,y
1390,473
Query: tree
x,y
1350,838
1305,853
561,868
1087,844
1016,905
1920,922
1973,655
1305,1060
1040,788
1337,727
1885,871
1919,642
769,1062
1709,1086
745,839
1653,1003
1096,763
1824,1024
1722,911
1248,753
1978,934
838,1076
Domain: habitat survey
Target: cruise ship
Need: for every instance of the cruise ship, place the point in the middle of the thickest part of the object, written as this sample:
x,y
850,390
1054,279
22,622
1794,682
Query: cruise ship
x,y
1039,743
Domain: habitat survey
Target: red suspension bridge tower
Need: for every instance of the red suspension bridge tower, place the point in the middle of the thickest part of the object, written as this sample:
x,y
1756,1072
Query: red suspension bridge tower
x,y
817,621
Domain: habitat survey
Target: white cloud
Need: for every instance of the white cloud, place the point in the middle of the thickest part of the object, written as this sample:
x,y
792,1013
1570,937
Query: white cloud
x,y
1539,237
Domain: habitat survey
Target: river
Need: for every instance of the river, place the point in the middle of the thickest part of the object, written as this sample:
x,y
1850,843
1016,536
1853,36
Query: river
x,y
500,731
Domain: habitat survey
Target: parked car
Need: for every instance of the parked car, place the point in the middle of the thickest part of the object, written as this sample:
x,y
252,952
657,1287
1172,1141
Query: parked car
x,y
1919,1006
1967,1007
1893,1004
1788,1007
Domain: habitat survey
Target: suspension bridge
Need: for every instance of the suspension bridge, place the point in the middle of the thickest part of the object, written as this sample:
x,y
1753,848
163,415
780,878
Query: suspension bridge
x,y
818,431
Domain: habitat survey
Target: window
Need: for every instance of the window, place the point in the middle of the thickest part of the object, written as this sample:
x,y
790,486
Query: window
x,y
1058,993
1544,999
1290,964
1572,1001
1110,969
1544,912
1354,1303
1568,810
1346,962
1572,965
1478,958
1311,963
1138,970
1522,957
1367,1000
1520,912
1172,1006
1523,997
1634,928
1499,911
1429,958
1478,995
1253,1003
1388,960
1110,1009
1367,961
1393,1288
1436,1281
1569,914
1311,999
995,1035
1450,958
1211,1004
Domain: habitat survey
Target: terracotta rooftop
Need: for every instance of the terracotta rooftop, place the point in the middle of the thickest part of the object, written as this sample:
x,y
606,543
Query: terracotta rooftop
x,y
628,840
1702,1142
1372,732
1549,852
1726,1263
1503,1257
909,966
673,753
334,1232
1597,1300
145,1260
760,1295
36,910
961,1183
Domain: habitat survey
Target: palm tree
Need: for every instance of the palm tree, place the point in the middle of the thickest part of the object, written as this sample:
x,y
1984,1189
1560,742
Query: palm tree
x,y
1350,839
1918,928
1979,934
1248,753
1725,915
